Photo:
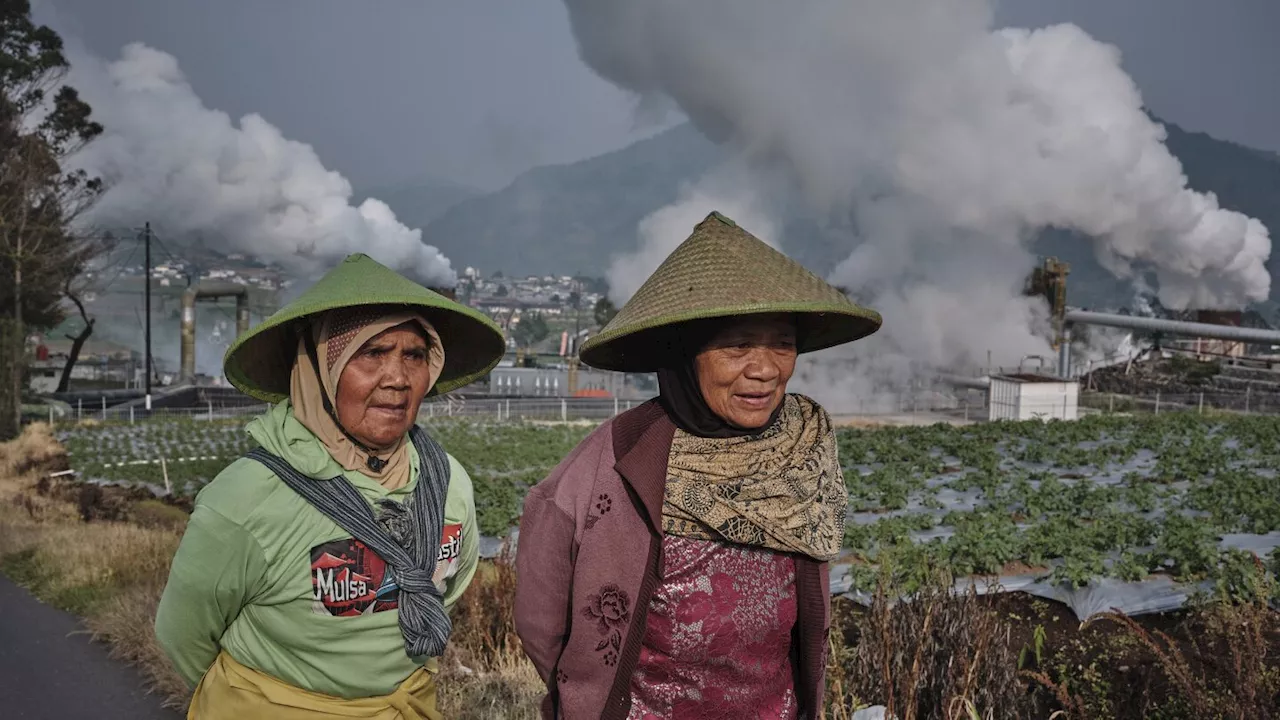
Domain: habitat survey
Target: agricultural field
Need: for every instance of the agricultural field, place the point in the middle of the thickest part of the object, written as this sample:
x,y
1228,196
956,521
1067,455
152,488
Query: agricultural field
x,y
118,452
1181,495
503,459
1177,495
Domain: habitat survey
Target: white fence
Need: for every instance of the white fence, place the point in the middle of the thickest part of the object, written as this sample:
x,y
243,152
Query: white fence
x,y
909,407
506,409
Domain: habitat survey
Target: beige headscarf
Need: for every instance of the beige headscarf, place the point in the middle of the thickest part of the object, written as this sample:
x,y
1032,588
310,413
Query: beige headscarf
x,y
338,336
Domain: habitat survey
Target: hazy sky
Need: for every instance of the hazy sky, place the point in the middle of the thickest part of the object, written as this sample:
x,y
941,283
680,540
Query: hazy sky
x,y
395,90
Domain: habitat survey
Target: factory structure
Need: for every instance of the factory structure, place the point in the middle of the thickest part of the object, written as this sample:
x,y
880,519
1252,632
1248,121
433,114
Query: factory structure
x,y
1239,342
1233,340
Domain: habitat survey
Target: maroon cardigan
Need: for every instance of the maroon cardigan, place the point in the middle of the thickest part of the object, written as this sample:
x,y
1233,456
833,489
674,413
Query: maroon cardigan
x,y
588,559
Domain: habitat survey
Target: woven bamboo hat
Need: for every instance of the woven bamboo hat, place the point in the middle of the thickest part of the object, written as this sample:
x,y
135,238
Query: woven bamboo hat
x,y
721,271
259,362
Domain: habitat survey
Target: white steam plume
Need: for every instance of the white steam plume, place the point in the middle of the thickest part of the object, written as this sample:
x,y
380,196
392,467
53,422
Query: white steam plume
x,y
948,143
662,231
187,168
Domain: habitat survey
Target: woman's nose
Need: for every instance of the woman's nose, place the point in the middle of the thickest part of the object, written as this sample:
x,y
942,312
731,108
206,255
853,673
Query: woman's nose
x,y
395,373
761,365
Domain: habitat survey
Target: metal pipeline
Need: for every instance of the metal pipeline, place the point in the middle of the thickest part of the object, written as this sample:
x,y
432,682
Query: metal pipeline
x,y
1176,327
977,383
207,292
1256,336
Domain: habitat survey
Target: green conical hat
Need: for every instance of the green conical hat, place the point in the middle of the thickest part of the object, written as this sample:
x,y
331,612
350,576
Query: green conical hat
x,y
259,362
722,270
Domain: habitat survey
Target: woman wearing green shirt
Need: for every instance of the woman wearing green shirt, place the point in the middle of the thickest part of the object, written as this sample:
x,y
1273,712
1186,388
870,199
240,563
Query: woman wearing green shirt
x,y
315,576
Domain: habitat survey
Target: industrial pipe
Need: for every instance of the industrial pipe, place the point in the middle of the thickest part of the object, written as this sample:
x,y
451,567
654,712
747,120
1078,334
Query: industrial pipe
x,y
1256,336
977,383
1176,327
1064,351
209,292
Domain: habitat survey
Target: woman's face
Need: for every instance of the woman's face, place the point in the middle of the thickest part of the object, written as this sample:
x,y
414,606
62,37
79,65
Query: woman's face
x,y
743,371
382,386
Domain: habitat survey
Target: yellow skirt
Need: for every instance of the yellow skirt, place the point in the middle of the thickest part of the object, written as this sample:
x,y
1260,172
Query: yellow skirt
x,y
232,691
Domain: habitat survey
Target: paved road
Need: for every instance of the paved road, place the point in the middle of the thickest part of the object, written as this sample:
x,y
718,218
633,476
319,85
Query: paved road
x,y
49,670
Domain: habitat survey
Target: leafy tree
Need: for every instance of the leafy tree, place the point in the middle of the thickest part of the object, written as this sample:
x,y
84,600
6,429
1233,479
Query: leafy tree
x,y
604,311
42,123
531,329
501,292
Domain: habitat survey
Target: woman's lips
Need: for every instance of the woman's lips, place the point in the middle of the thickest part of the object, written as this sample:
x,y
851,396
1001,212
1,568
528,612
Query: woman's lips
x,y
756,401
390,410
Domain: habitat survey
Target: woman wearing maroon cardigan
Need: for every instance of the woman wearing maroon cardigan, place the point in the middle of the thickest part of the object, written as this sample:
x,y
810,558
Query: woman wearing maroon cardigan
x,y
675,564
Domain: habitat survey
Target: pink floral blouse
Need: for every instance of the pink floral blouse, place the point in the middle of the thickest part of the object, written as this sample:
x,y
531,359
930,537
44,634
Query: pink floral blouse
x,y
717,643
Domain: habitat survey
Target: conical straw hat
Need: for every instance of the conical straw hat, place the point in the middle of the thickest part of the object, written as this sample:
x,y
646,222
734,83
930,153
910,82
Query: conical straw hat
x,y
722,270
259,362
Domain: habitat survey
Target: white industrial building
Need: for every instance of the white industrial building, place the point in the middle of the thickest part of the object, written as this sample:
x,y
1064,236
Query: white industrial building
x,y
1029,396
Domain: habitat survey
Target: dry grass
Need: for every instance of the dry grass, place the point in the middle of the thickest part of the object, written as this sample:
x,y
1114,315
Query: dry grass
x,y
125,621
485,673
1229,669
940,656
110,573
35,450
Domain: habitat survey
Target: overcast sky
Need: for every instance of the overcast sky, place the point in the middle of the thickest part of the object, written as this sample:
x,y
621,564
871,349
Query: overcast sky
x,y
390,91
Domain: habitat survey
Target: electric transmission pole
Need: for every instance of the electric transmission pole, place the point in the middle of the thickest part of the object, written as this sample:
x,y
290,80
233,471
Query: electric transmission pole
x,y
146,237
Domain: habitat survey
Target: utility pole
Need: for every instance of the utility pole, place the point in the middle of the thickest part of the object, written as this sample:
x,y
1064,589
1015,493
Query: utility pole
x,y
577,310
146,237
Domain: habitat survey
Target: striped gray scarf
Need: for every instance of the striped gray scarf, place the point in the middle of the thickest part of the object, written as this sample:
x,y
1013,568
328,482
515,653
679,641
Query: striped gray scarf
x,y
406,537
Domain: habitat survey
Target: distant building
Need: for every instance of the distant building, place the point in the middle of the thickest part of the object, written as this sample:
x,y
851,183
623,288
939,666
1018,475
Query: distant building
x,y
1028,396
1208,348
554,383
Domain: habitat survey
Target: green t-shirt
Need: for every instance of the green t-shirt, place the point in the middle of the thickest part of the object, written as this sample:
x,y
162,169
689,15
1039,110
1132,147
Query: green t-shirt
x,y
285,590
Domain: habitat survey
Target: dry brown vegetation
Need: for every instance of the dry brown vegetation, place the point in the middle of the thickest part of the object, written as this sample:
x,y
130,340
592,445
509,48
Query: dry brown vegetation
x,y
940,656
109,572
485,674
928,659
950,656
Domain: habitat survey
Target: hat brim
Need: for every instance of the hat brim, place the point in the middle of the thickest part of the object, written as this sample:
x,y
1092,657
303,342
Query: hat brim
x,y
260,364
657,345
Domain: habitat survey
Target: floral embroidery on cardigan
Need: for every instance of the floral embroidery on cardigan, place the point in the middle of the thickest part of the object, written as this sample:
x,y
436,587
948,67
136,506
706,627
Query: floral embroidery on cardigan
x,y
610,610
603,505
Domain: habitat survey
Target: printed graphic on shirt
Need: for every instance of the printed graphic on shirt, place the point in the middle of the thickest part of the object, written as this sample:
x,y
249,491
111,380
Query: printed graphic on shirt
x,y
450,555
348,578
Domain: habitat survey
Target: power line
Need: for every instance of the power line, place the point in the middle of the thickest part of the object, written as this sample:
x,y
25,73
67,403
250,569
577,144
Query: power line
x,y
164,247
122,267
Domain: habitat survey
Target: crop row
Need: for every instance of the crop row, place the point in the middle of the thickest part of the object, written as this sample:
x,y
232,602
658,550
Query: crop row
x,y
1105,496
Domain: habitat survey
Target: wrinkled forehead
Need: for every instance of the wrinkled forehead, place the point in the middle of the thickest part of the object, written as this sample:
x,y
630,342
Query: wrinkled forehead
x,y
410,330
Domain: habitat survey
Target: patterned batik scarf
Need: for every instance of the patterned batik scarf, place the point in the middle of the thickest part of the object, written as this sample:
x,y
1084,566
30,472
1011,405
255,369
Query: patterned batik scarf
x,y
782,489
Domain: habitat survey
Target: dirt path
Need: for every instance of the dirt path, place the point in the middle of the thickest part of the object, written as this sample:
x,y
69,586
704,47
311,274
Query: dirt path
x,y
50,669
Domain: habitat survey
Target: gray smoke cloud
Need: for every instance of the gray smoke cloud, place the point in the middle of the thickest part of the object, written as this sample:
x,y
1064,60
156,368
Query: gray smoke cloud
x,y
243,185
944,143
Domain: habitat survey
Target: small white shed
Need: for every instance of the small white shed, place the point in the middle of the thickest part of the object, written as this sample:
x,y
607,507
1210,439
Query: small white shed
x,y
1029,396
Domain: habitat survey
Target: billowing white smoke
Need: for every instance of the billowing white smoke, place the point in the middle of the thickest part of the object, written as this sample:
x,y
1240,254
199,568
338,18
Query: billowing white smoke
x,y
948,143
664,229
244,187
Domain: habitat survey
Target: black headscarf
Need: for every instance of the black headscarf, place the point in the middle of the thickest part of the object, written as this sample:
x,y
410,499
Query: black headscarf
x,y
681,394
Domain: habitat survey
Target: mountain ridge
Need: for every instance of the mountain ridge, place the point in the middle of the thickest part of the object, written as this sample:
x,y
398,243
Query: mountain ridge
x,y
575,217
